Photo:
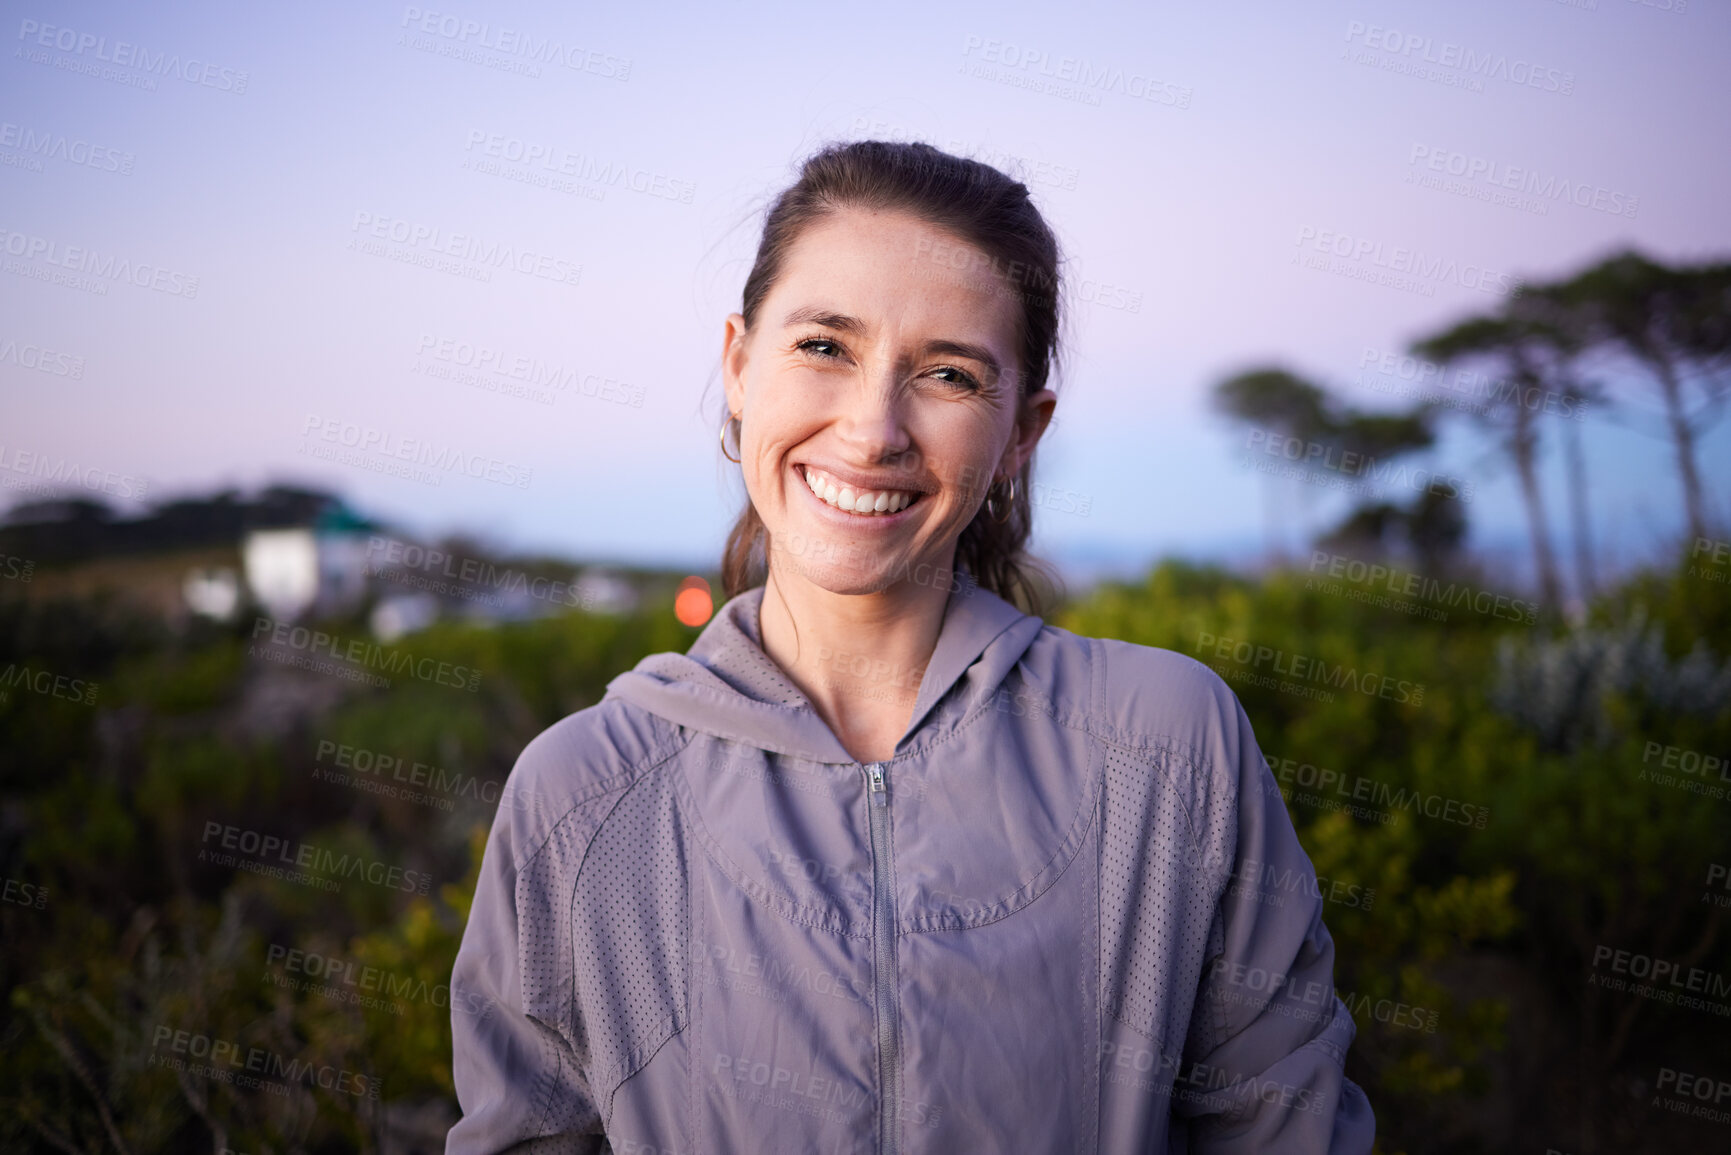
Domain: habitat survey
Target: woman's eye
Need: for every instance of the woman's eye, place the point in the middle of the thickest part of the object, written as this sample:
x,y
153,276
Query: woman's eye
x,y
822,346
957,376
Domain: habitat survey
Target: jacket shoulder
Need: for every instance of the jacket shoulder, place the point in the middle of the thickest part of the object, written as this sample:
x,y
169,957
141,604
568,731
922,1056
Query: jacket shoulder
x,y
1132,695
578,761
1155,693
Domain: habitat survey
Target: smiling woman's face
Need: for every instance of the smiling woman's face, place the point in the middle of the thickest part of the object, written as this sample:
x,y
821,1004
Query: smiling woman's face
x,y
888,382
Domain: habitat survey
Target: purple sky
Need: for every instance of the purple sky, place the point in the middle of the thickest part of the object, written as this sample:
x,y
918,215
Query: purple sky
x,y
1189,157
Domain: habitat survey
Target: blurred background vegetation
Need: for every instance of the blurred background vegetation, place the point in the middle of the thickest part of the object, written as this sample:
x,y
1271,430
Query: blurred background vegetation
x,y
120,931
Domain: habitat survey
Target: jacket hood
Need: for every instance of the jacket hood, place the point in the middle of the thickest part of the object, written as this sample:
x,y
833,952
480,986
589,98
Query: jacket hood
x,y
727,686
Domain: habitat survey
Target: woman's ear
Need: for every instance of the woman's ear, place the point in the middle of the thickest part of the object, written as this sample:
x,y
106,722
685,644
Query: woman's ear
x,y
1031,422
733,361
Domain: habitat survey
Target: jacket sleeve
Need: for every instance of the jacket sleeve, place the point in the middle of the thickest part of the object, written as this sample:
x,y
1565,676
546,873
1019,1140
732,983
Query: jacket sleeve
x,y
1263,1064
519,1082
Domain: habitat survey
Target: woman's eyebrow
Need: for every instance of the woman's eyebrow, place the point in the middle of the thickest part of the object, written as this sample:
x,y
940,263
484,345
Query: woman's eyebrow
x,y
817,315
965,349
845,323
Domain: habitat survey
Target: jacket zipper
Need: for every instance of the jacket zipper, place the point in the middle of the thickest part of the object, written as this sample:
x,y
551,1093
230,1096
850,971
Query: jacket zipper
x,y
884,974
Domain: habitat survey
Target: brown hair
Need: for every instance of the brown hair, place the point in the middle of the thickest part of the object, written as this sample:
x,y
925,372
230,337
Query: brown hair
x,y
990,211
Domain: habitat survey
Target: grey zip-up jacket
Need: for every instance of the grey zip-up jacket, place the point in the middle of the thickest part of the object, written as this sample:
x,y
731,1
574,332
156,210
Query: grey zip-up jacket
x,y
1070,914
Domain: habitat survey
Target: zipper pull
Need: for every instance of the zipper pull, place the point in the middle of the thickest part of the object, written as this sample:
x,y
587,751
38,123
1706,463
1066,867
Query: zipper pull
x,y
876,771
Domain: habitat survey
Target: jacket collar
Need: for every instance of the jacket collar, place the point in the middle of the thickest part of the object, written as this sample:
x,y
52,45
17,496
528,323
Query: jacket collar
x,y
727,686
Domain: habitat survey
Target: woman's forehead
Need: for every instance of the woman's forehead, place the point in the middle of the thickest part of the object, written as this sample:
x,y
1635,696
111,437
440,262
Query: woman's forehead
x,y
893,271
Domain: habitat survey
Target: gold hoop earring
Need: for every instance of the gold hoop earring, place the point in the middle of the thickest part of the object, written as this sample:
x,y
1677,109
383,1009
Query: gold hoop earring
x,y
726,421
1000,518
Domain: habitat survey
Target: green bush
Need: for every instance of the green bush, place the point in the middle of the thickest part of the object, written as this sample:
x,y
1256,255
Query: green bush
x,y
1513,825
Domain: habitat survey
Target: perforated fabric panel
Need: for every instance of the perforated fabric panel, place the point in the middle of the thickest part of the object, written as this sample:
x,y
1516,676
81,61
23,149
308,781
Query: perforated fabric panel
x,y
751,671
757,676
631,922
1154,880
544,889
564,1113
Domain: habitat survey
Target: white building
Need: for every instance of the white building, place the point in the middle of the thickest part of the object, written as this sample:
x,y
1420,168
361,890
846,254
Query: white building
x,y
306,570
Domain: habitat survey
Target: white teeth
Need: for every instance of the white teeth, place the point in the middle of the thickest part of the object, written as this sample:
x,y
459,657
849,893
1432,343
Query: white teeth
x,y
846,497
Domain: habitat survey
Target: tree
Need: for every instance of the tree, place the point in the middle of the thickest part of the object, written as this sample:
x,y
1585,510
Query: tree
x,y
1286,406
1432,529
1674,325
1279,402
1531,343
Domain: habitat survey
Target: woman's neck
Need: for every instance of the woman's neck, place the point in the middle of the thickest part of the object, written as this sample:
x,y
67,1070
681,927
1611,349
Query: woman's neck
x,y
859,658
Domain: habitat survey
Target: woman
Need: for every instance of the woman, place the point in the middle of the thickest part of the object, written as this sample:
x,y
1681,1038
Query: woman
x,y
885,864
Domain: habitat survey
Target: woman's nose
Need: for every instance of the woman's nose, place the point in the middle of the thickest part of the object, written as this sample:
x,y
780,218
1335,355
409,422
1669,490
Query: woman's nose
x,y
872,421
